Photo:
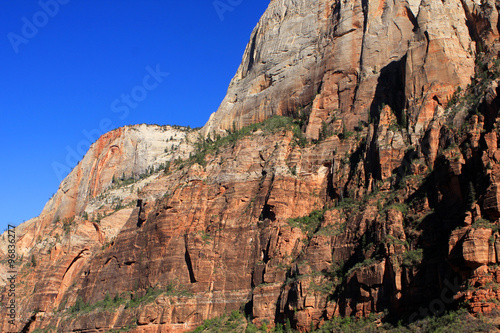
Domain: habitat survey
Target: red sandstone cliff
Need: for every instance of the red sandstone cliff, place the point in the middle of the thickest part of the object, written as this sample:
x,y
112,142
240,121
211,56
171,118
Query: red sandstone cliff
x,y
380,193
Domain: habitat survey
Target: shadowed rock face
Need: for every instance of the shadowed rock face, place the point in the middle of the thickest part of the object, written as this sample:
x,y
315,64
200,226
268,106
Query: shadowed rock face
x,y
157,237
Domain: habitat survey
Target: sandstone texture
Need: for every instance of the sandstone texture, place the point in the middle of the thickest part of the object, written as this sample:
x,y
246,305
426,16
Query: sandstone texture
x,y
346,59
371,186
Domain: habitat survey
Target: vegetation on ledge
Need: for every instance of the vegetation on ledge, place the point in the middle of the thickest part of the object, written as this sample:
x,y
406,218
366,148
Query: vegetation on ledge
x,y
457,321
130,300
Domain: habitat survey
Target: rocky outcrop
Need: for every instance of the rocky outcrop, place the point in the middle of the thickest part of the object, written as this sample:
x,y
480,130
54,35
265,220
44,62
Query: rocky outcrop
x,y
124,155
120,154
187,238
379,189
347,59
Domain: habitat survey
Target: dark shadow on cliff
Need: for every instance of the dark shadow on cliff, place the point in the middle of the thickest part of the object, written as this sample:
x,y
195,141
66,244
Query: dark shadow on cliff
x,y
429,287
390,89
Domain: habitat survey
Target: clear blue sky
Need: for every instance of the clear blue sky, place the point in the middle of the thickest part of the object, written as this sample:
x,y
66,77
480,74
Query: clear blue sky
x,y
65,68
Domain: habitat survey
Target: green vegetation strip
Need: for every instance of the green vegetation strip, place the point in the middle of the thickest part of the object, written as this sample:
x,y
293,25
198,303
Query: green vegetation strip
x,y
457,321
132,301
212,144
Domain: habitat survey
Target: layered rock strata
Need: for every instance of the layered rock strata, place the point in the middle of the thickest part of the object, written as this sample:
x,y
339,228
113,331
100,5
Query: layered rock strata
x,y
379,195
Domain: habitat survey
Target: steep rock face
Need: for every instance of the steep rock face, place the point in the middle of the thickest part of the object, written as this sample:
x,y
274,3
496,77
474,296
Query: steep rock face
x,y
390,143
214,234
83,212
442,38
119,155
127,152
346,59
346,223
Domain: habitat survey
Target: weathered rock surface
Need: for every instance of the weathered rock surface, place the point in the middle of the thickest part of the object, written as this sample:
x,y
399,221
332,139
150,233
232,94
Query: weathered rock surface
x,y
205,235
127,151
121,155
348,221
346,59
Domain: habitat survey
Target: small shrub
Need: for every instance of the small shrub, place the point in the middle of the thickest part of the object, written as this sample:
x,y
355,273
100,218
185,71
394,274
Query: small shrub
x,y
325,132
251,328
310,223
345,135
401,207
483,223
79,306
235,322
366,262
300,139
412,258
